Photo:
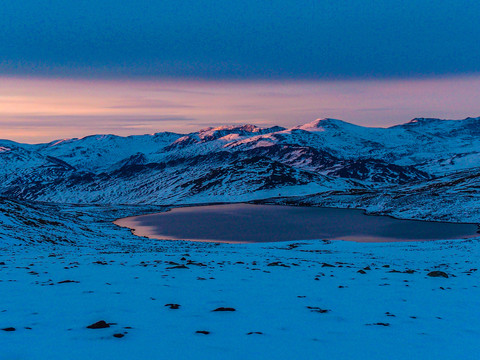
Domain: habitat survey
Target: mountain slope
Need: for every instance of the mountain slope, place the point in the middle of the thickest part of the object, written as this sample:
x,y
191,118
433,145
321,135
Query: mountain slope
x,y
238,163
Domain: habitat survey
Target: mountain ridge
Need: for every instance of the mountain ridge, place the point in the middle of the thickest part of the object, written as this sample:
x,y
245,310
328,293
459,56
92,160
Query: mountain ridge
x,y
416,120
242,163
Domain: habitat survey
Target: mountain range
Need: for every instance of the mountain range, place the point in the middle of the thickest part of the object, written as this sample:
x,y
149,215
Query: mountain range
x,y
426,168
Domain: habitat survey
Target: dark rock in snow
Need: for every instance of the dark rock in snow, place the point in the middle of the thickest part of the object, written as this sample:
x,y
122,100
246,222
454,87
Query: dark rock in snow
x,y
317,309
118,335
437,273
224,309
9,329
277,263
99,262
99,325
327,265
68,281
173,306
204,332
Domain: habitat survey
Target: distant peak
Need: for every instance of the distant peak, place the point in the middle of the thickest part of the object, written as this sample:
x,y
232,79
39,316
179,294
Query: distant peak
x,y
213,133
321,124
422,120
473,119
426,121
245,127
328,121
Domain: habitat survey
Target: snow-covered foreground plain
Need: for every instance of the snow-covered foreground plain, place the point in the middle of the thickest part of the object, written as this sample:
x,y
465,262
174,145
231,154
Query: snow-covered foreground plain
x,y
50,294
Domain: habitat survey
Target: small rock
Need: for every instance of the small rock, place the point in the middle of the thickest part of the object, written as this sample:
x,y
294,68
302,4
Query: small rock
x,y
255,332
68,281
437,273
277,263
99,325
224,309
361,272
204,332
118,335
99,262
173,306
317,309
178,267
9,329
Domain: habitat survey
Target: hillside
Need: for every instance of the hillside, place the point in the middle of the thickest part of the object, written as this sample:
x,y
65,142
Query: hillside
x,y
424,163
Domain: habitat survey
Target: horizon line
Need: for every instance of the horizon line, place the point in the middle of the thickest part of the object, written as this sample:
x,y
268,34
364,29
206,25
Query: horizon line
x,y
240,125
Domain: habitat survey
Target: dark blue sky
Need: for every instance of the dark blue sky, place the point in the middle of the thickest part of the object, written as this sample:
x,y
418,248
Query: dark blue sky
x,y
284,39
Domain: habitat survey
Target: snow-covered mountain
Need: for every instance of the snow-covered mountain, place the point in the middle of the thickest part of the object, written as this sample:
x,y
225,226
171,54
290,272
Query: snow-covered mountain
x,y
238,163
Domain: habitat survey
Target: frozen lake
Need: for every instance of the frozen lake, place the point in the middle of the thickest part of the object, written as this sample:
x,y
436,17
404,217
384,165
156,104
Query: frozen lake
x,y
269,223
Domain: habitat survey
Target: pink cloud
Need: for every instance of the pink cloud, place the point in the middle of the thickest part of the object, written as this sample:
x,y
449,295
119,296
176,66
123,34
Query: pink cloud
x,y
35,110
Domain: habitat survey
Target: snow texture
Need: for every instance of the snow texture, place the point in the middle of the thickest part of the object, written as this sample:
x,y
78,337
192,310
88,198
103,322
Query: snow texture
x,y
292,300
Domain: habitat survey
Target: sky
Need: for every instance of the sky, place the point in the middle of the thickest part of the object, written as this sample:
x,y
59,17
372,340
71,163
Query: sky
x,y
71,68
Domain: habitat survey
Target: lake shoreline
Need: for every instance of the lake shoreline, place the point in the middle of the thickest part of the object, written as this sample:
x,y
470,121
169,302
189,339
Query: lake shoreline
x,y
145,231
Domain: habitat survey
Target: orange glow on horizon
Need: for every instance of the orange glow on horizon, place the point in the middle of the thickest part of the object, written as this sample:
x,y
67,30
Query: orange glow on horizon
x,y
38,110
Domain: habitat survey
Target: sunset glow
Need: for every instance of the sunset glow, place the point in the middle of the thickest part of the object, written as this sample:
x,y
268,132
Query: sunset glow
x,y
38,110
